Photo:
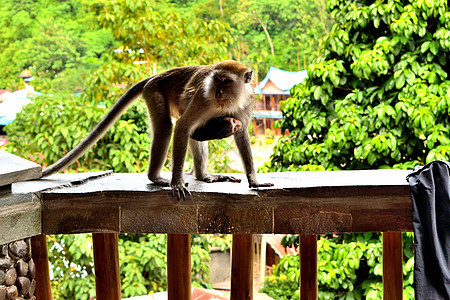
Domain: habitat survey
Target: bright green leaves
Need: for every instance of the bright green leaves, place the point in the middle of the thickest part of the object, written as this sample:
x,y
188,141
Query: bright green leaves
x,y
339,40
143,264
408,23
349,267
381,90
370,63
162,36
59,123
358,16
58,41
283,283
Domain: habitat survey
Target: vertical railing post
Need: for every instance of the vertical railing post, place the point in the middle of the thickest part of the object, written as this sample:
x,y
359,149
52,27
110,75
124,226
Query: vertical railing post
x,y
242,267
179,266
308,267
106,264
262,261
40,257
392,265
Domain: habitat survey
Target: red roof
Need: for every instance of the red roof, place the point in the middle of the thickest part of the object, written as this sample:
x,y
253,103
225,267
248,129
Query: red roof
x,y
274,240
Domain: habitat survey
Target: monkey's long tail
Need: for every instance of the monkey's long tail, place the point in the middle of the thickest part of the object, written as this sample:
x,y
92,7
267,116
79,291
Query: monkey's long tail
x,y
97,133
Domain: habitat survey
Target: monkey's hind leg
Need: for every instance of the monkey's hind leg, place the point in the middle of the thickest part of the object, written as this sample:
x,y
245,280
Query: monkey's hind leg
x,y
162,132
199,151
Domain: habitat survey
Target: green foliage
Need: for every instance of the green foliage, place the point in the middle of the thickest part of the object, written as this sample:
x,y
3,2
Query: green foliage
x,y
349,267
52,125
142,260
292,29
288,34
283,284
60,122
219,159
379,96
159,34
53,39
62,42
72,267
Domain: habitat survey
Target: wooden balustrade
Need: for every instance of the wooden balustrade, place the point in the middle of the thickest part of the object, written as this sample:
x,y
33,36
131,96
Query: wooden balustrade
x,y
304,203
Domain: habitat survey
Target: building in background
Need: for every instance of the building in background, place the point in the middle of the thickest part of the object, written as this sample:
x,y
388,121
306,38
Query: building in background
x,y
274,88
11,105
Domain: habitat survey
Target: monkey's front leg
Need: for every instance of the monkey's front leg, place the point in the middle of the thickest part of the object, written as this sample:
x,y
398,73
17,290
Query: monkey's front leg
x,y
243,143
180,142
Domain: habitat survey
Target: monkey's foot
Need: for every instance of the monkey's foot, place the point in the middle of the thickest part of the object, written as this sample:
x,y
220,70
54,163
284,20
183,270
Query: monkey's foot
x,y
218,178
257,185
160,181
180,191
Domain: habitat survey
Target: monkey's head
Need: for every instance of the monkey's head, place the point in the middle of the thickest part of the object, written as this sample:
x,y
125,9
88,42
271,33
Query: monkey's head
x,y
229,84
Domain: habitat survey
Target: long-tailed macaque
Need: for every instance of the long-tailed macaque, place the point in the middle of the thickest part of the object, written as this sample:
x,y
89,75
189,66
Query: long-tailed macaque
x,y
200,98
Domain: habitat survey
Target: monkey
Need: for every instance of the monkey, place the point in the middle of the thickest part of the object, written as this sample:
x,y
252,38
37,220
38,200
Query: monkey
x,y
197,97
216,129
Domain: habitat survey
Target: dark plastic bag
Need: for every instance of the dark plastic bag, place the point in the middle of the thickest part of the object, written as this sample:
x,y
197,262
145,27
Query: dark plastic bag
x,y
430,192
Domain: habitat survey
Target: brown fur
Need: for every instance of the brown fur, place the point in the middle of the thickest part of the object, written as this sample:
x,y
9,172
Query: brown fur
x,y
193,95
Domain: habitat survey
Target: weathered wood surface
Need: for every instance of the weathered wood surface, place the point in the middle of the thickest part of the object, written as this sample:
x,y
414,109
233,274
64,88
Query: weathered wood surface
x,y
15,169
21,220
20,206
299,202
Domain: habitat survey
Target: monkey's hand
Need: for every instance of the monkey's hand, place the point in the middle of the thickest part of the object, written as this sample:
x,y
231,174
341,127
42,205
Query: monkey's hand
x,y
218,178
179,189
254,185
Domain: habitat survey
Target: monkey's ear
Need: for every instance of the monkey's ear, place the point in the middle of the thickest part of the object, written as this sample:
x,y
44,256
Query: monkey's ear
x,y
248,76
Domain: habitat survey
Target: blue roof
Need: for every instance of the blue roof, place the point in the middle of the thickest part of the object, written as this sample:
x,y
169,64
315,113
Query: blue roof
x,y
284,80
12,105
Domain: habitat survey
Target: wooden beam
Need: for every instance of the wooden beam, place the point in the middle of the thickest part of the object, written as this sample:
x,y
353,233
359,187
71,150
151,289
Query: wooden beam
x,y
299,202
179,266
40,257
106,263
20,217
242,267
392,265
308,267
15,169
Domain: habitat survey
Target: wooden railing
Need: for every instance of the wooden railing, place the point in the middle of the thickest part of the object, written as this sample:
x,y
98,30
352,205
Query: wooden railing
x,y
304,203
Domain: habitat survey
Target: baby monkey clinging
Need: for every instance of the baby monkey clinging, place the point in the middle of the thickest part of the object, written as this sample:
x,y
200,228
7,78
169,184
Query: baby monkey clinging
x,y
212,101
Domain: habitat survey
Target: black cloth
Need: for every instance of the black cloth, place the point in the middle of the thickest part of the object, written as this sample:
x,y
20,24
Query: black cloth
x,y
430,193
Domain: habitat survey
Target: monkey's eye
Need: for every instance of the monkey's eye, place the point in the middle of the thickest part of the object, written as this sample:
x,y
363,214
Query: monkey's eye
x,y
227,81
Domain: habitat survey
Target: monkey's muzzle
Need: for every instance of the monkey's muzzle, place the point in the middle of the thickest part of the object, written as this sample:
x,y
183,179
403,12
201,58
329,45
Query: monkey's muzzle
x,y
236,125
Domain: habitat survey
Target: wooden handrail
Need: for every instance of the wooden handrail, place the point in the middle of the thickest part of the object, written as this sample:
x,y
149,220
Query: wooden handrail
x,y
305,203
